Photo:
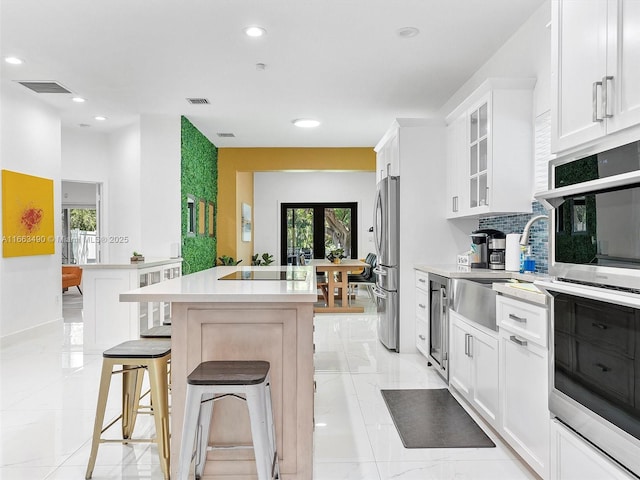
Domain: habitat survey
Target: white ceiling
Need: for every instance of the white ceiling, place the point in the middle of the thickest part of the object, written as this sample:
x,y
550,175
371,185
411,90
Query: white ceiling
x,y
340,61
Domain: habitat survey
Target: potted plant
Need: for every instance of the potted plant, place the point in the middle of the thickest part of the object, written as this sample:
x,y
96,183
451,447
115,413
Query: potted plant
x,y
336,255
137,257
264,260
227,260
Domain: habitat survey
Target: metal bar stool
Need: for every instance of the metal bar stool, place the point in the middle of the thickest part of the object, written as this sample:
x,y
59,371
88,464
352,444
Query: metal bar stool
x,y
135,357
213,380
159,331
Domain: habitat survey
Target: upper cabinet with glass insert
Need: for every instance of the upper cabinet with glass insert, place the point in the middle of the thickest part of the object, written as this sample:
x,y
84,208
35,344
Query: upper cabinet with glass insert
x,y
490,150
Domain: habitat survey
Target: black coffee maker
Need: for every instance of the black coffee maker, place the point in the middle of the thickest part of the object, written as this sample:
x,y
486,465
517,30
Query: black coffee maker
x,y
488,247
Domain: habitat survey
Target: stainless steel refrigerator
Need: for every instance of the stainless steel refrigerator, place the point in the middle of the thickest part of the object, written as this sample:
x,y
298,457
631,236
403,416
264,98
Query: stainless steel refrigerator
x,y
386,238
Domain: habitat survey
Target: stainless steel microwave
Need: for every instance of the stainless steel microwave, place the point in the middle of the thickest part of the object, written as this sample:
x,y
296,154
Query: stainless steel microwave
x,y
594,232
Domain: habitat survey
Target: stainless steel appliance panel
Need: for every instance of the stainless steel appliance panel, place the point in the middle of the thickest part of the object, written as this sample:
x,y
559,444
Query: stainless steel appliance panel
x,y
387,277
594,367
386,238
386,222
387,310
439,324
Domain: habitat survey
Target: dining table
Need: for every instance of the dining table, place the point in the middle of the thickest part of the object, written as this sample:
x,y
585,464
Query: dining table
x,y
337,278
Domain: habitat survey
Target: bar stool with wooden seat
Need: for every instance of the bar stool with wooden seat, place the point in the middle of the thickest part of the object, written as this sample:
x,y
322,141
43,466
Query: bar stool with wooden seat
x,y
135,356
213,380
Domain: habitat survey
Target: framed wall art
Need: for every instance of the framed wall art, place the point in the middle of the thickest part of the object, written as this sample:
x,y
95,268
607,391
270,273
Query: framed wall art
x,y
27,215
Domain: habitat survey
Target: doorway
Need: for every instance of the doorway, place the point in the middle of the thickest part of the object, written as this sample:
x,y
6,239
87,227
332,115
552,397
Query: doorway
x,y
312,230
81,213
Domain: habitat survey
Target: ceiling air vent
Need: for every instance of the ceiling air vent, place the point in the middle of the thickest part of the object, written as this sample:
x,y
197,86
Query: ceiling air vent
x,y
198,101
45,87
226,135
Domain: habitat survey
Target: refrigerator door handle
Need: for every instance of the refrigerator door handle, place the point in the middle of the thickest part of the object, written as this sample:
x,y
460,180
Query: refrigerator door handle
x,y
378,223
379,271
379,293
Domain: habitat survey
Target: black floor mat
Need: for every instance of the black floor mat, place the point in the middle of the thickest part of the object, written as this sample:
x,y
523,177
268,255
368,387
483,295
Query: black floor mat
x,y
432,418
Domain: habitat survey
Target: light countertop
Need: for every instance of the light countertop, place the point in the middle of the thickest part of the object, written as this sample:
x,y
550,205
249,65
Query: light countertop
x,y
148,263
524,291
206,286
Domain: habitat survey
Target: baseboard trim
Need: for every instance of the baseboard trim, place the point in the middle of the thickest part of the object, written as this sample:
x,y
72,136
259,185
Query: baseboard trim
x,y
29,333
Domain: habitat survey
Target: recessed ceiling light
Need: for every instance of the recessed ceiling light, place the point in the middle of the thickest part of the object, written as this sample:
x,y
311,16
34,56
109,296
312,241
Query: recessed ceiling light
x,y
100,118
255,31
407,32
13,60
78,99
306,123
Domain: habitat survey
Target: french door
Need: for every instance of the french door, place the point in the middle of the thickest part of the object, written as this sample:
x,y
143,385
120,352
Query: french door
x,y
312,230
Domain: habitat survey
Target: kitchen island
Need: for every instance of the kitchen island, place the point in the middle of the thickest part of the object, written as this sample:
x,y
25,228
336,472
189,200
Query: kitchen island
x,y
244,313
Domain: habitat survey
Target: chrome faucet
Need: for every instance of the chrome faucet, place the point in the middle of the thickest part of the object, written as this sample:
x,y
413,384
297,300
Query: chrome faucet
x,y
524,239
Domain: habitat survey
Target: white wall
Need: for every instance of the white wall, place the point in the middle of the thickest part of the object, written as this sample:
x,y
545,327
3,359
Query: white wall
x,y
85,155
160,184
273,188
123,205
526,54
30,287
139,169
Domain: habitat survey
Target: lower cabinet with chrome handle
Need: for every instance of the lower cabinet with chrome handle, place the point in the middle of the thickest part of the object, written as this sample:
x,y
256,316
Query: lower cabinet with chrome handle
x,y
473,365
524,381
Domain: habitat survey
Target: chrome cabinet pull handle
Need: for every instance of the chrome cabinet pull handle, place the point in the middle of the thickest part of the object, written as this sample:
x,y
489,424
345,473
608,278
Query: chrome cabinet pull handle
x,y
517,318
421,305
514,339
471,346
603,368
601,326
422,337
422,280
605,99
466,344
595,102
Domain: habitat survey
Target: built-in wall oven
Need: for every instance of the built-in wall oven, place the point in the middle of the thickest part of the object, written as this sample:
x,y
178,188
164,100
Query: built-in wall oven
x,y
594,241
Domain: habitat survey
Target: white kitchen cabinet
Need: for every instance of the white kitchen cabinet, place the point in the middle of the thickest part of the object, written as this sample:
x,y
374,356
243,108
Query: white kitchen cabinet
x,y
422,312
457,196
595,70
107,320
473,366
573,458
490,150
388,154
524,380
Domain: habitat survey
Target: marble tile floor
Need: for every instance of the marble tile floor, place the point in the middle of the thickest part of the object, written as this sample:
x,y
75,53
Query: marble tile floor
x,y
48,391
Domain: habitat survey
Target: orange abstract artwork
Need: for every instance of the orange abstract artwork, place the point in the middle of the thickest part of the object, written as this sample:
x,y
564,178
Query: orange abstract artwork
x,y
27,215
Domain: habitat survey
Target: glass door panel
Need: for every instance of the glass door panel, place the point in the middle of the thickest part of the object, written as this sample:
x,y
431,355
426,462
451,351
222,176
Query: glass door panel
x,y
473,130
312,230
473,198
473,160
483,122
482,157
337,230
482,189
300,228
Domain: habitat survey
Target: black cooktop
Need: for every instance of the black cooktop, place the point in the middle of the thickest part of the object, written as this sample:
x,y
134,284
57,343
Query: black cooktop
x,y
266,275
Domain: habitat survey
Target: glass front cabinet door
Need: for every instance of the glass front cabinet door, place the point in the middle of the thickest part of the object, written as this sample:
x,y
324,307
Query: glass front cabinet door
x,y
478,151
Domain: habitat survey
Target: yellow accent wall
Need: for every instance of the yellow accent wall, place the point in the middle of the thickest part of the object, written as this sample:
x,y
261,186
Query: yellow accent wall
x,y
235,182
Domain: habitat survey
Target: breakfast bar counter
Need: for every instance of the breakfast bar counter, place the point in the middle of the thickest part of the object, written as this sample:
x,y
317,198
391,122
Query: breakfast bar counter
x,y
244,313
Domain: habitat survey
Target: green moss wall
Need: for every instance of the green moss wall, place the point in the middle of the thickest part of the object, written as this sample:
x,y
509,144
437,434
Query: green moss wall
x,y
199,167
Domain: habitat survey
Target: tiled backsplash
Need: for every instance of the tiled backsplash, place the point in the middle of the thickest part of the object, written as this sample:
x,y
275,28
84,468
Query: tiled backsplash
x,y
539,234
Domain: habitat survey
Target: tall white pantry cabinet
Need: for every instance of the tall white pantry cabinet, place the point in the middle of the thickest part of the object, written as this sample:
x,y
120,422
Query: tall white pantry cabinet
x,y
414,150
